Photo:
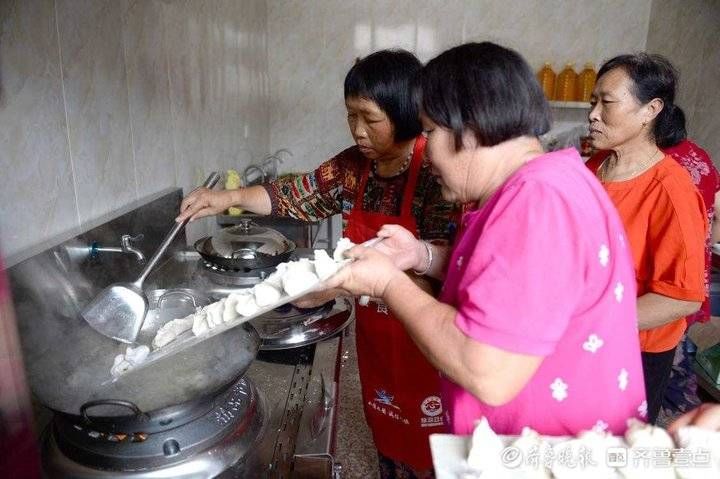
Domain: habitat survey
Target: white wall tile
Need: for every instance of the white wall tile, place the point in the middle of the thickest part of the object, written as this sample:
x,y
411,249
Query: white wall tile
x,y
705,122
97,105
312,44
149,96
218,73
688,34
157,93
36,184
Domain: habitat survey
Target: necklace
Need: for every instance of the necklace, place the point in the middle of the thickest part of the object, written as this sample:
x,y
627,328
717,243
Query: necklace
x,y
403,167
639,168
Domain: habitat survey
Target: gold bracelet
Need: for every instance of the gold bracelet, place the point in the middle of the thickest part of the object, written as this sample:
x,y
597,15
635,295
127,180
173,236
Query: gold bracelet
x,y
428,247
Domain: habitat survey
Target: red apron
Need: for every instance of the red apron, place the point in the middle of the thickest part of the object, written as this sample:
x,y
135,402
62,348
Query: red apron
x,y
400,389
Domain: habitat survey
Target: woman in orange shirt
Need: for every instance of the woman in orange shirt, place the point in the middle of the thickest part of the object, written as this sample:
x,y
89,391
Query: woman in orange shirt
x,y
633,115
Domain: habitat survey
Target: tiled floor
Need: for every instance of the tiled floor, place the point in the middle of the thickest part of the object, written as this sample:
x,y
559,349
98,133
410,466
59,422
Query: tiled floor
x,y
354,449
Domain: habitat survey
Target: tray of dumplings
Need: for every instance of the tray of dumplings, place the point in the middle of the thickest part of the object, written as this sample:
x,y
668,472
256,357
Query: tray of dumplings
x,y
644,451
290,281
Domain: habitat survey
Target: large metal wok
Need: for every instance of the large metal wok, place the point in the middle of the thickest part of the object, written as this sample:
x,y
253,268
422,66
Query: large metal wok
x,y
68,363
245,247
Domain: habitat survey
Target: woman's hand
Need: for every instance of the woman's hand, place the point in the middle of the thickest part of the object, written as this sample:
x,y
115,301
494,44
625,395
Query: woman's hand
x,y
402,247
317,298
706,416
370,273
204,202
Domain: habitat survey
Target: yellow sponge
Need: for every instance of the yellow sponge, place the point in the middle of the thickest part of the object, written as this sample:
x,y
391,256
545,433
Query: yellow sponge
x,y
232,180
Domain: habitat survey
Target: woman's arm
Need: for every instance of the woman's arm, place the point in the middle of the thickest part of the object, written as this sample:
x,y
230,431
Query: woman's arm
x,y
706,416
655,310
308,196
407,252
204,202
493,375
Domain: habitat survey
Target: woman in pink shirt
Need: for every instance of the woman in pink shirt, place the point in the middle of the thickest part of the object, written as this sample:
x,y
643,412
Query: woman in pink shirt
x,y
536,322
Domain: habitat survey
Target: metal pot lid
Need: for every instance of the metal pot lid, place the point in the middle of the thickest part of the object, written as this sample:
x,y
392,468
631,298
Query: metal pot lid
x,y
246,241
286,328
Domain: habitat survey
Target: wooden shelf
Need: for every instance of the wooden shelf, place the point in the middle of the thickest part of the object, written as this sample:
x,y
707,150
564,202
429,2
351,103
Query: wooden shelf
x,y
570,104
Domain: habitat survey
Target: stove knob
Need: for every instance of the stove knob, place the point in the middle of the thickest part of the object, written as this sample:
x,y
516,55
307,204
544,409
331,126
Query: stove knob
x,y
171,447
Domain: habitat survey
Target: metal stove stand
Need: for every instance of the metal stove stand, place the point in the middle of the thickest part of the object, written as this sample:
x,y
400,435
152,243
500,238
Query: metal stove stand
x,y
302,399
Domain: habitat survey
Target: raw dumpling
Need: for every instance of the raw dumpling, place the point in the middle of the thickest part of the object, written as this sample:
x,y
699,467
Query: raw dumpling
x,y
643,437
132,357
246,305
200,324
486,451
695,438
275,279
343,245
531,444
229,312
297,281
325,266
214,313
303,264
171,330
266,294
591,448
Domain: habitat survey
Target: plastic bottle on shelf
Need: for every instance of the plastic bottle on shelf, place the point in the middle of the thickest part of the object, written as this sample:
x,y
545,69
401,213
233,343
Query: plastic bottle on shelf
x,y
585,83
546,78
565,84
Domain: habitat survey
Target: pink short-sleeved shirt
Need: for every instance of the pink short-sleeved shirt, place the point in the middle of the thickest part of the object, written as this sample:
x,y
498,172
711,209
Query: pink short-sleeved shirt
x,y
543,269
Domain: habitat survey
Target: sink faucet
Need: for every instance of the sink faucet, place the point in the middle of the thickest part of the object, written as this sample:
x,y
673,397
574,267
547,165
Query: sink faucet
x,y
126,246
253,168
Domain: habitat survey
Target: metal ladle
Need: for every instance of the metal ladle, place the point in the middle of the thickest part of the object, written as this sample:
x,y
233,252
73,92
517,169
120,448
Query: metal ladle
x,y
118,312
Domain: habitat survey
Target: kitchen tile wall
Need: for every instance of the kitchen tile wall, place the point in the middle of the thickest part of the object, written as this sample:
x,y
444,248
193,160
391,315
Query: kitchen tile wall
x,y
106,101
312,44
688,33
103,102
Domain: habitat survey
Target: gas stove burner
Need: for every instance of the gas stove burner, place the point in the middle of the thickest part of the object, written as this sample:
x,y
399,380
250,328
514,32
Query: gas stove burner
x,y
236,271
233,277
171,445
288,310
291,327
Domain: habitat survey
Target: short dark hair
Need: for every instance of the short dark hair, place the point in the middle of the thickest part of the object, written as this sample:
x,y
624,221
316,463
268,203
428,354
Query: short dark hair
x,y
485,88
385,77
653,76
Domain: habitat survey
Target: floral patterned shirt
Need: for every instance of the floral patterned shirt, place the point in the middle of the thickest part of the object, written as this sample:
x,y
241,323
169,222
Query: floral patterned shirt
x,y
331,189
707,180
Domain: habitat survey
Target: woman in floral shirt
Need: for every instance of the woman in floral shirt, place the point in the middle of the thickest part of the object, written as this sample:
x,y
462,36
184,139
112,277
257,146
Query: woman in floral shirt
x,y
381,179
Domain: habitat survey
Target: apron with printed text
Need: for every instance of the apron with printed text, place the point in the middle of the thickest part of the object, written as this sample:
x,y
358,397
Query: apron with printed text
x,y
400,388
